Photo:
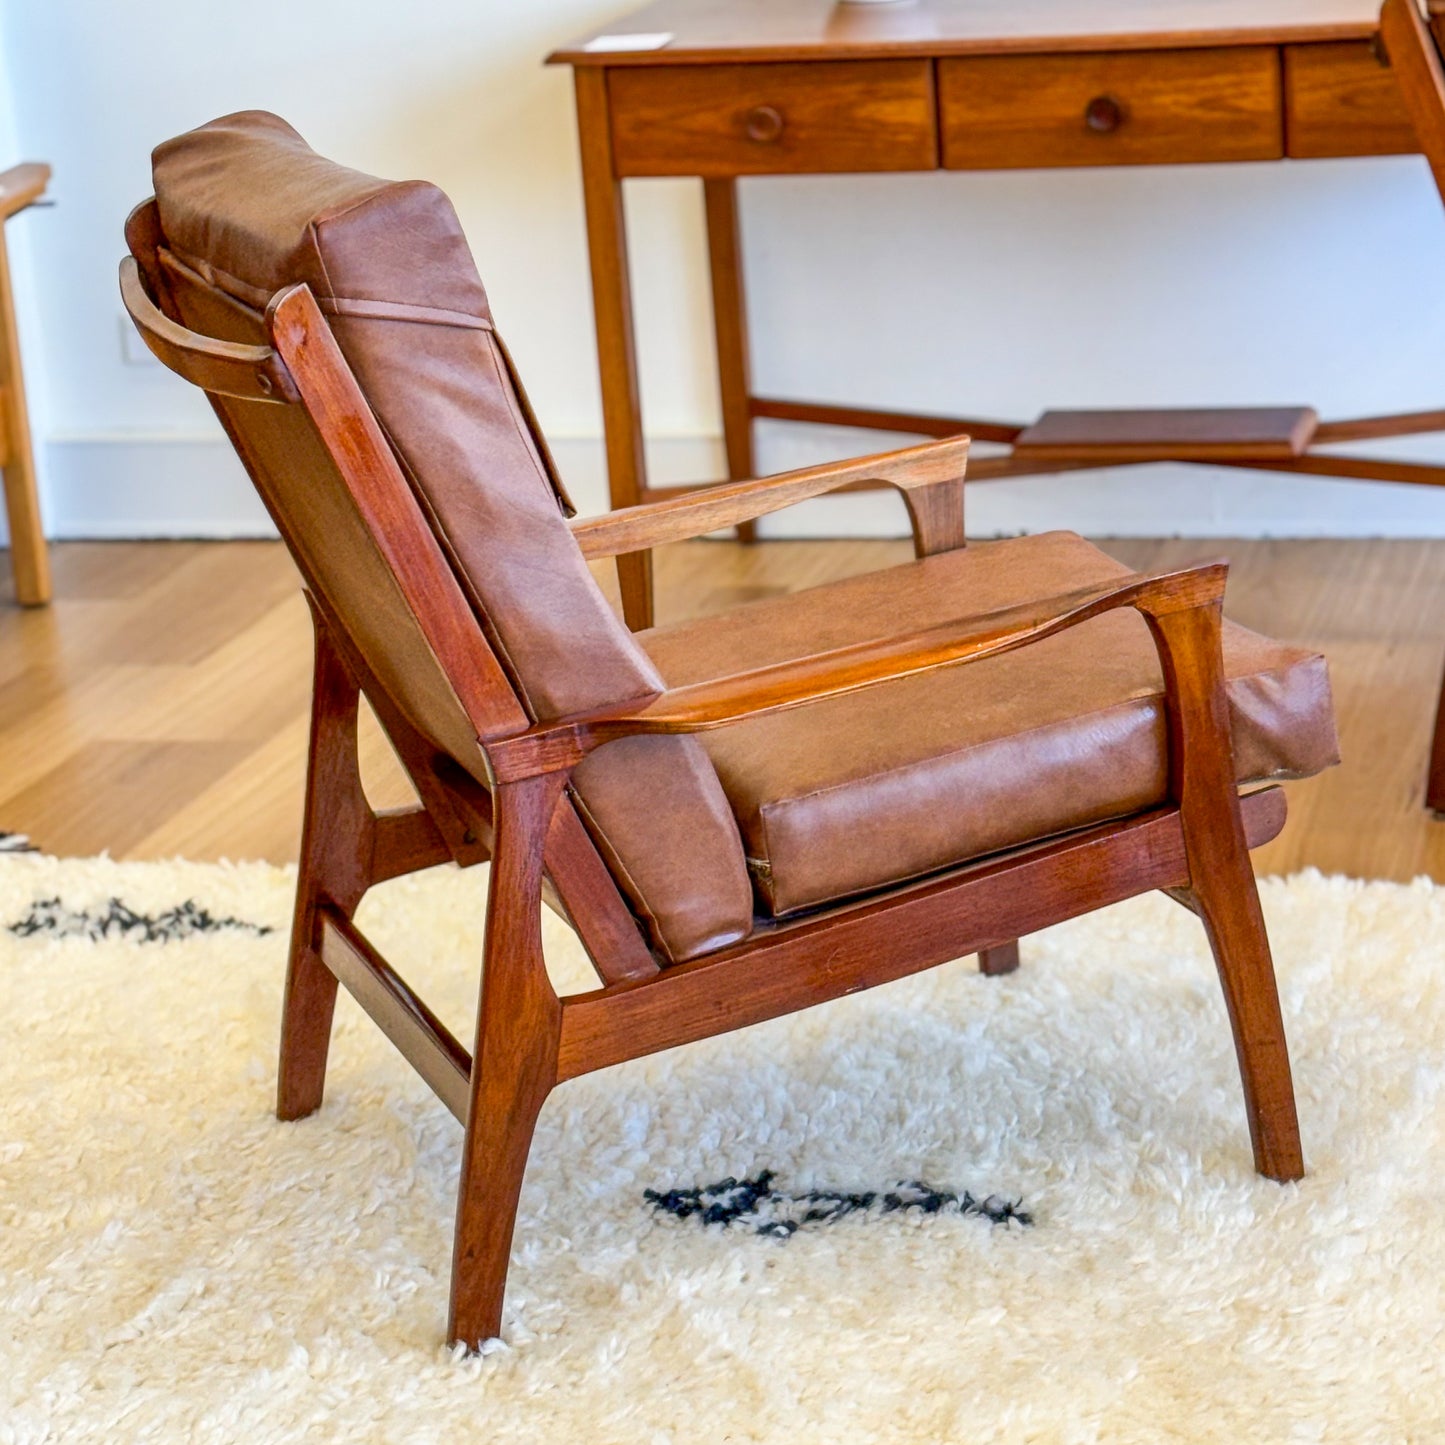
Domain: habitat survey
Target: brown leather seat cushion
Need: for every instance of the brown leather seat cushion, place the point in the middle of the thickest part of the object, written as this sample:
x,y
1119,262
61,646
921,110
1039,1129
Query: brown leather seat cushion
x,y
883,785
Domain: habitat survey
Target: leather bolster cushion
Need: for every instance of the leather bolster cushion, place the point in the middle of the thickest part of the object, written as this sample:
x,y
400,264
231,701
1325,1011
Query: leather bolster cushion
x,y
900,780
252,208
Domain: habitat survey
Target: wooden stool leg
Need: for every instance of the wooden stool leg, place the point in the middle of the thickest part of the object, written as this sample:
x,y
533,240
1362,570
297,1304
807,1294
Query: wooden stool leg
x,y
514,1064
337,837
1003,959
28,553
1435,778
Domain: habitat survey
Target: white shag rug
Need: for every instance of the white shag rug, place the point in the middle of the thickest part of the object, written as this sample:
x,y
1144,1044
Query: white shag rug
x,y
176,1265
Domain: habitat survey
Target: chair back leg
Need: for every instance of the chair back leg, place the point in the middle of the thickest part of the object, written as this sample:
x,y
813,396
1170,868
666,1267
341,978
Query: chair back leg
x,y
337,840
1002,959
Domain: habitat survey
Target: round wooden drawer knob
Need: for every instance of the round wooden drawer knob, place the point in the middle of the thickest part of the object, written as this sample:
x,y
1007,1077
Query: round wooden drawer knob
x,y
1103,114
763,124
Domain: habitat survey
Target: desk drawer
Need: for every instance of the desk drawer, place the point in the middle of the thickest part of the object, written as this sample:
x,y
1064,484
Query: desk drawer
x,y
737,120
1341,101
1107,109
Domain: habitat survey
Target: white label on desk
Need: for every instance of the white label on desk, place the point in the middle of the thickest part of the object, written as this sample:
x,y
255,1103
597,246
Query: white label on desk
x,y
651,41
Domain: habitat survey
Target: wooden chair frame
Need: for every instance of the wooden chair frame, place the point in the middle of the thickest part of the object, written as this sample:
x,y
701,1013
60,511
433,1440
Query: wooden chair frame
x,y
21,186
528,1039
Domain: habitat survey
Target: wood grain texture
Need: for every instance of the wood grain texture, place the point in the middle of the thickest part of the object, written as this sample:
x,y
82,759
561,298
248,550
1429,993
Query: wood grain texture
x,y
699,707
1416,65
708,31
159,706
418,1035
769,119
519,1022
793,86
1366,428
976,909
252,373
1412,42
198,656
1343,100
338,840
730,330
1221,885
1006,112
698,511
616,345
20,186
869,418
1171,433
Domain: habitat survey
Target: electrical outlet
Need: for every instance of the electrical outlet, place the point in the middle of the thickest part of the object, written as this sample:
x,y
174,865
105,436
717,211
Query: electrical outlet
x,y
134,351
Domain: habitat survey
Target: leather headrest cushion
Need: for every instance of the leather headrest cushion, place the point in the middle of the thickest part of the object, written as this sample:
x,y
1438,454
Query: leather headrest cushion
x,y
247,203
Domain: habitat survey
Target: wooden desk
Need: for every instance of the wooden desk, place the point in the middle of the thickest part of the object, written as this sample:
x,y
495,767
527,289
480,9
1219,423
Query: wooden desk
x,y
787,87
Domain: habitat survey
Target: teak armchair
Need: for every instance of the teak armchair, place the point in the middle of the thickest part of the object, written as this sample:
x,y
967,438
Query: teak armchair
x,y
338,326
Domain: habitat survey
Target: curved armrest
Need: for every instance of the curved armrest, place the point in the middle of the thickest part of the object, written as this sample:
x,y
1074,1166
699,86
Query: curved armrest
x,y
561,744
635,529
228,368
22,186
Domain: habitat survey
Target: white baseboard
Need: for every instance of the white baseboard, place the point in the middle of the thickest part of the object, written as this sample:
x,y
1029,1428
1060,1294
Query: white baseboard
x,y
115,485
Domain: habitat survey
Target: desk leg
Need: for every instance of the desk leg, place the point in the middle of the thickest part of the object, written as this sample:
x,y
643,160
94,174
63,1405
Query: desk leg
x,y
730,326
616,350
22,501
1435,777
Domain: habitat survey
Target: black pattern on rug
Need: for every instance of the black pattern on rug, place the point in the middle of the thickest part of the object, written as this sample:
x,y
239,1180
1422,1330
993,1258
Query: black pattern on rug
x,y
779,1214
51,917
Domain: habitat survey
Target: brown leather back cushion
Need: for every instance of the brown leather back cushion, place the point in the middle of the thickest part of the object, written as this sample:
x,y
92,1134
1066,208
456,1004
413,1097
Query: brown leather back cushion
x,y
251,208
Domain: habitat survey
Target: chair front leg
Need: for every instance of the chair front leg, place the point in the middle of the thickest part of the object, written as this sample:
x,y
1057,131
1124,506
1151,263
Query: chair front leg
x,y
514,1064
1221,878
337,839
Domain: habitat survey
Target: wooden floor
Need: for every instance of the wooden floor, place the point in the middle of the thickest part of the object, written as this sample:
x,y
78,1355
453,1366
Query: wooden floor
x,y
158,708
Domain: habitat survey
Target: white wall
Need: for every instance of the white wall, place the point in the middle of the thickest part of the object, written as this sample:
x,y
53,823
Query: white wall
x,y
998,294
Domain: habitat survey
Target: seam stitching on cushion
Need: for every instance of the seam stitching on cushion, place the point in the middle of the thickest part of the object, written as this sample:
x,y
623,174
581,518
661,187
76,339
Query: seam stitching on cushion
x,y
974,747
627,884
463,580
776,805
954,753
370,309
513,411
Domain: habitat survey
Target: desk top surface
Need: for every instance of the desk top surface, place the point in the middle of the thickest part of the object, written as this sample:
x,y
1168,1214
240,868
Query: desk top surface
x,y
759,30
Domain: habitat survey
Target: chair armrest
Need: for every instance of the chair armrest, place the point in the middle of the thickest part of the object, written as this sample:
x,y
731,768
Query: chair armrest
x,y
561,744
22,186
913,471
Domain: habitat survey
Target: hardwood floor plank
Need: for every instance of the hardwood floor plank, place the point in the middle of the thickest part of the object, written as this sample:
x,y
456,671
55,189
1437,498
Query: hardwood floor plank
x,y
111,795
158,707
